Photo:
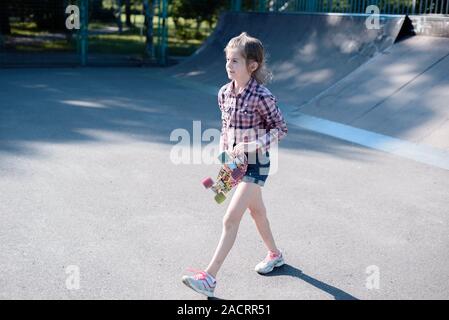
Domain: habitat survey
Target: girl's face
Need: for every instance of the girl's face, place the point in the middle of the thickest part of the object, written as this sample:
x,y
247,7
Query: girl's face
x,y
236,66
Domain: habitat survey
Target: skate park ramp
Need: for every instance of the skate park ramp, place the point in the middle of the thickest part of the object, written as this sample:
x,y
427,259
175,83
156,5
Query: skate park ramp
x,y
403,93
306,52
389,84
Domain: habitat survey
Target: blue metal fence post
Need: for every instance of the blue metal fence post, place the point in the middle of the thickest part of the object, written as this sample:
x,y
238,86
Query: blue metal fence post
x,y
84,19
159,37
311,6
164,33
236,5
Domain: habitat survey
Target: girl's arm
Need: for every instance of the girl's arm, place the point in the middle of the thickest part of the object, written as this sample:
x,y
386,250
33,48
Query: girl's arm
x,y
276,125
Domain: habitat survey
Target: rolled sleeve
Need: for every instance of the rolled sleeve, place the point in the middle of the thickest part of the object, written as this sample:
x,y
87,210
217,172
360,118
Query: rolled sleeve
x,y
276,126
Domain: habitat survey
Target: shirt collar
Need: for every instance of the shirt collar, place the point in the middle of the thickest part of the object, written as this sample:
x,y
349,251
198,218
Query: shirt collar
x,y
250,86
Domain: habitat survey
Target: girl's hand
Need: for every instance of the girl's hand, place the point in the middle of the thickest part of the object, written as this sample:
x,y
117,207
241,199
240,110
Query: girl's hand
x,y
246,147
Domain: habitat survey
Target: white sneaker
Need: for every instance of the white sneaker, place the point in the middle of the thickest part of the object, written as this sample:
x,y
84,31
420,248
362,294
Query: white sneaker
x,y
271,261
201,282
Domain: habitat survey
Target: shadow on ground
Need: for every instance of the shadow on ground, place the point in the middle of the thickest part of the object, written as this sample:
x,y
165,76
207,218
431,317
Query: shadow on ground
x,y
288,270
95,105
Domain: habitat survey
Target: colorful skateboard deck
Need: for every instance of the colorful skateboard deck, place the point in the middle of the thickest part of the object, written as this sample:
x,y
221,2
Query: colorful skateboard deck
x,y
232,171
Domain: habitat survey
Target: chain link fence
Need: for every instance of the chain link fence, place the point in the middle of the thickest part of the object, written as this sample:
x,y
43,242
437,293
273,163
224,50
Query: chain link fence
x,y
344,6
86,32
119,32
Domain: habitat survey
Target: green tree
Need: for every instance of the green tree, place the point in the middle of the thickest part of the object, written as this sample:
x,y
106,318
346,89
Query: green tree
x,y
199,10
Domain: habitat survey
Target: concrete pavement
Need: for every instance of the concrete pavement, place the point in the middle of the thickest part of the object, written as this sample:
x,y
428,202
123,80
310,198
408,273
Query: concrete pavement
x,y
87,181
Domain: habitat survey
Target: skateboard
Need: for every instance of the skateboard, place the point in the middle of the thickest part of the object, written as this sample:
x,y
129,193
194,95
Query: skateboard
x,y
231,172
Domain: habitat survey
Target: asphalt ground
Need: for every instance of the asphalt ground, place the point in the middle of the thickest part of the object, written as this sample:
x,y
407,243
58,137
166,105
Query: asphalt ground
x,y
88,189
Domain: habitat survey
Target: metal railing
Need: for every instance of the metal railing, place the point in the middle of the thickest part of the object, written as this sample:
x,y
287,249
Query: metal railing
x,y
410,7
83,32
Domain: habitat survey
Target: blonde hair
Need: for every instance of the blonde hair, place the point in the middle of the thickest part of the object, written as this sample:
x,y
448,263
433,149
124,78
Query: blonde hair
x,y
252,50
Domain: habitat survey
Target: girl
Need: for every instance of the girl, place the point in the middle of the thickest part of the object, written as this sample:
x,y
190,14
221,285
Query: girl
x,y
251,122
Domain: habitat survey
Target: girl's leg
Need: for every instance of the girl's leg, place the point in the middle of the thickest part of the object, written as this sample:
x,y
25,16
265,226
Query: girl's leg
x,y
259,215
243,195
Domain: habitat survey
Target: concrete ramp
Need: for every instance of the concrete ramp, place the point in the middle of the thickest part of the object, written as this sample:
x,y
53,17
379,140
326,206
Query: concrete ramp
x,y
403,93
308,53
331,66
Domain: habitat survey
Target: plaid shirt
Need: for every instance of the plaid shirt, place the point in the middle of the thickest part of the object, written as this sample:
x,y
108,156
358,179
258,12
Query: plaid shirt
x,y
249,116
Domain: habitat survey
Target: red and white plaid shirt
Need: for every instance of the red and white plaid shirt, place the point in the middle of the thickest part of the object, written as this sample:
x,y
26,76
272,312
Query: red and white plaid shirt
x,y
251,115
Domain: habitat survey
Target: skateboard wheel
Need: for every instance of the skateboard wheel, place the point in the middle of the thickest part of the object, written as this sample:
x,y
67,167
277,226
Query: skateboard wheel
x,y
224,157
208,182
220,197
236,174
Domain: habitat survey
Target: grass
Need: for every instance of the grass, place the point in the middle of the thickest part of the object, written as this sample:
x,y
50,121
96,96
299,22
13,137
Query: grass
x,y
130,41
26,29
37,40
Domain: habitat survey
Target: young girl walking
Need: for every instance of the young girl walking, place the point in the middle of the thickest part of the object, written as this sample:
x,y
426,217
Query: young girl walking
x,y
251,121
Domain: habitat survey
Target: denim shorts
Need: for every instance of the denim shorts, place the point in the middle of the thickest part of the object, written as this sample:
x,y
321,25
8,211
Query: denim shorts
x,y
258,168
